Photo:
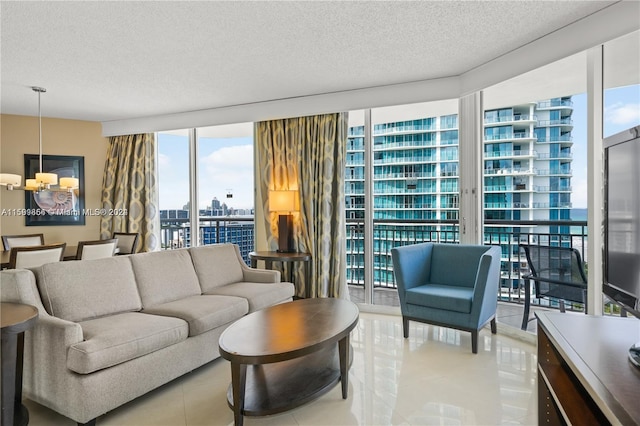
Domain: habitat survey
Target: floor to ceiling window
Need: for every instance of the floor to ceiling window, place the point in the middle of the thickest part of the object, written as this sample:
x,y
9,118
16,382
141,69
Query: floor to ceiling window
x,y
621,78
222,173
173,187
225,185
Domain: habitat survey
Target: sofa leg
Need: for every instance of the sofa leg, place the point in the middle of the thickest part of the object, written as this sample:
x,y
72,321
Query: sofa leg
x,y
91,422
494,328
474,341
405,327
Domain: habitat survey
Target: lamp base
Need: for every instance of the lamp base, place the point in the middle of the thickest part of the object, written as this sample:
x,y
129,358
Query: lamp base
x,y
285,233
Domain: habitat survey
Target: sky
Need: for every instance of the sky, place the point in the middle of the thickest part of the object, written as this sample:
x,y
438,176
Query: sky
x,y
225,167
621,111
226,163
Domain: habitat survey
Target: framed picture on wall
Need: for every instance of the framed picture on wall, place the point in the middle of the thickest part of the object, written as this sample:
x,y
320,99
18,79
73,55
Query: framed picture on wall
x,y
55,206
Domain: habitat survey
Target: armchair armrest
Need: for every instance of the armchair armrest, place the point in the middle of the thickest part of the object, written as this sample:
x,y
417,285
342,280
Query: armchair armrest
x,y
486,285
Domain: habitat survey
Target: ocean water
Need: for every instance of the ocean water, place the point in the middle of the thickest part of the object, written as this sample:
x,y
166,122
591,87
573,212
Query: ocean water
x,y
578,214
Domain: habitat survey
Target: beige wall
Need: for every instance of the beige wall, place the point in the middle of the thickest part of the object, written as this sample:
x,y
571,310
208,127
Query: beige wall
x,y
19,136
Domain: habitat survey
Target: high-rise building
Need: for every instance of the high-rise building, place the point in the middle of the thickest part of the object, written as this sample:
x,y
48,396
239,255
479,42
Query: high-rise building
x,y
527,176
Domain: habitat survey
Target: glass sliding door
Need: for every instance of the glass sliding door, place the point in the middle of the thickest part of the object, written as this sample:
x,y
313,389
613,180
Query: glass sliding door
x,y
225,185
404,166
173,184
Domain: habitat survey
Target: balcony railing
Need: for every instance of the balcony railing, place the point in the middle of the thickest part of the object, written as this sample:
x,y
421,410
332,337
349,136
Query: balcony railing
x,y
507,234
391,233
176,233
555,103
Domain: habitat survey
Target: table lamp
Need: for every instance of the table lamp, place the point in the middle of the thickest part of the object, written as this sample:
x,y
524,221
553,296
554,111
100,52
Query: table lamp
x,y
284,202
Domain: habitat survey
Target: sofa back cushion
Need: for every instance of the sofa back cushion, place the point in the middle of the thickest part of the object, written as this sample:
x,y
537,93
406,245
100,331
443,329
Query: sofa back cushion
x,y
456,264
217,265
85,289
164,276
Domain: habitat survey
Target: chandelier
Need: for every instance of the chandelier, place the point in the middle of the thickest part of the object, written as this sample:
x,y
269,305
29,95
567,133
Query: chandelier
x,y
42,181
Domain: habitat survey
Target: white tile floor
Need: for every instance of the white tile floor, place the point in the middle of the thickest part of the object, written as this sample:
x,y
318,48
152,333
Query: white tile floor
x,y
430,378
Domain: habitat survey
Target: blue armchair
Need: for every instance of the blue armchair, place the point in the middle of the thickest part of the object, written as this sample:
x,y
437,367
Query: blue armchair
x,y
449,285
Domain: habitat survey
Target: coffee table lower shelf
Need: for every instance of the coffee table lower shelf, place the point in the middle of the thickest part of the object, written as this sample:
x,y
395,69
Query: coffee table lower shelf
x,y
281,386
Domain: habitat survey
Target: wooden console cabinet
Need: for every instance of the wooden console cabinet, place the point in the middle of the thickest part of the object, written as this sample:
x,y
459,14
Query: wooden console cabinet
x,y
584,374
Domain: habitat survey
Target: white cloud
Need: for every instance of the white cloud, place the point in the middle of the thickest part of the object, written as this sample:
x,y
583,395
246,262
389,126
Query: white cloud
x,y
228,169
621,114
163,160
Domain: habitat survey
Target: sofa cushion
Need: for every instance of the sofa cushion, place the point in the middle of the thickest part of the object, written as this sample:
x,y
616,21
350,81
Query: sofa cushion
x,y
164,276
447,297
81,290
217,265
118,338
259,295
203,313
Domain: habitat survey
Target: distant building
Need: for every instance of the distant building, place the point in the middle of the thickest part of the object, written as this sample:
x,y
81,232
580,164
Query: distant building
x,y
527,176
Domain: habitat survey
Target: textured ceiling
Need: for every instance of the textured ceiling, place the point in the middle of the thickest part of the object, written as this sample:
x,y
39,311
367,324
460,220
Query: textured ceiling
x,y
103,61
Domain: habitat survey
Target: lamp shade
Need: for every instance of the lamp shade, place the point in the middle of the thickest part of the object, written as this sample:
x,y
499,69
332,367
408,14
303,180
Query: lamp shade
x,y
47,178
31,185
69,183
9,179
283,201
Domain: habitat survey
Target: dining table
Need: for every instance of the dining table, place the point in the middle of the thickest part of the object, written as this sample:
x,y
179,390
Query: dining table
x,y
69,254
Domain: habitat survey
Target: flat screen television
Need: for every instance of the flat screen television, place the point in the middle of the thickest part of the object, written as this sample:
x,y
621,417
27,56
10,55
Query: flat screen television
x,y
622,223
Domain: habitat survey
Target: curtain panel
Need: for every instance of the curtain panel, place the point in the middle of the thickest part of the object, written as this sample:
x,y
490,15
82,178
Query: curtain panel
x,y
129,189
308,154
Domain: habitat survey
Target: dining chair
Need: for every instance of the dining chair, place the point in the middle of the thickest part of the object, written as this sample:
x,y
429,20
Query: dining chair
x,y
34,256
127,242
96,249
28,240
557,272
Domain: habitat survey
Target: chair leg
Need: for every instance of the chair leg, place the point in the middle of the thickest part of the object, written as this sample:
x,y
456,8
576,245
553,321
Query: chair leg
x,y
527,302
494,328
405,327
474,341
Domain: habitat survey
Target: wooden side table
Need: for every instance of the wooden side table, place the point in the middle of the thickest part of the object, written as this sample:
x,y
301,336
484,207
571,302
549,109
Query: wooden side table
x,y
275,256
15,319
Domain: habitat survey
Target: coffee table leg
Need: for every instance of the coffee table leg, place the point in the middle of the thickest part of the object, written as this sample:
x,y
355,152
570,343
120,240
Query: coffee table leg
x,y
238,382
343,349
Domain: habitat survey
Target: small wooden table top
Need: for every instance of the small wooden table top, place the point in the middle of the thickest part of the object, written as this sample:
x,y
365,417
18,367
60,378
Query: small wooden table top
x,y
17,317
278,256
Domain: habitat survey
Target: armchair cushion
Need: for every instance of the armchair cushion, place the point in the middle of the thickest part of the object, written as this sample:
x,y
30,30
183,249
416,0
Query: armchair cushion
x,y
446,297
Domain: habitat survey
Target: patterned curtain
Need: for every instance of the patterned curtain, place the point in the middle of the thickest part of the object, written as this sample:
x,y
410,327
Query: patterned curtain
x,y
308,154
129,183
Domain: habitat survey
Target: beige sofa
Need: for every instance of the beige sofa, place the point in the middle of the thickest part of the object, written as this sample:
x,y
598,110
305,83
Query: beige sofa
x,y
112,329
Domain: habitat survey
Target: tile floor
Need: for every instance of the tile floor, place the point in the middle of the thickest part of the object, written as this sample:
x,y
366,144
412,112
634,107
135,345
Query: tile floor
x,y
430,378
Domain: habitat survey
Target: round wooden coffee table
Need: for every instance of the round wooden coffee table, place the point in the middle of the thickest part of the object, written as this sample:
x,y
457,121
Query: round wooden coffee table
x,y
295,351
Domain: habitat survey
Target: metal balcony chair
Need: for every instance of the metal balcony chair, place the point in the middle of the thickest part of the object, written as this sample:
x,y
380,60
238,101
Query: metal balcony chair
x,y
558,273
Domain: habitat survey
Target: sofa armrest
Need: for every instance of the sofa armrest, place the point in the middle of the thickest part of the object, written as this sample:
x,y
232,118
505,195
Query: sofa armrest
x,y
261,275
19,286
